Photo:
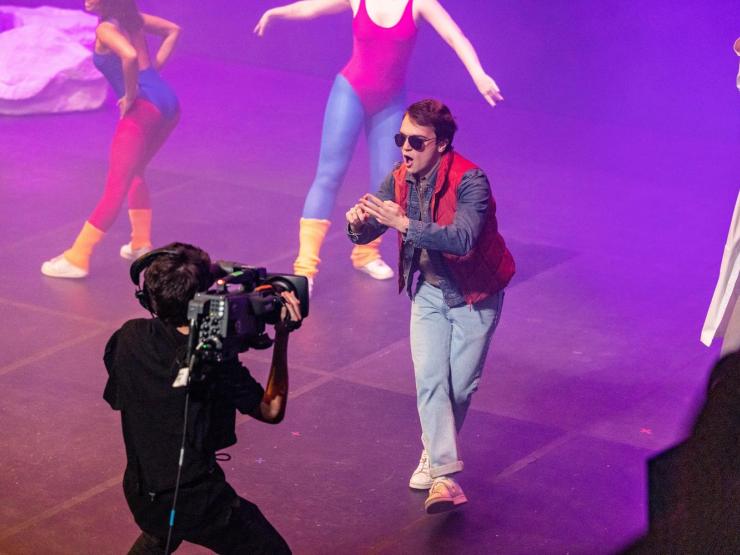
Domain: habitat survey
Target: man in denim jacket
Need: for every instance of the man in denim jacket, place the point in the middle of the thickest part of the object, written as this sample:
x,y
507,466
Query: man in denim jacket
x,y
442,207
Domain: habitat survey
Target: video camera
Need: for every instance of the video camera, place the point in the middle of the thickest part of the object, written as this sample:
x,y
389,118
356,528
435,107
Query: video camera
x,y
231,317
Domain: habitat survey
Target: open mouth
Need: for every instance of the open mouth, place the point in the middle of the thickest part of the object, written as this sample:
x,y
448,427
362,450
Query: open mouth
x,y
407,160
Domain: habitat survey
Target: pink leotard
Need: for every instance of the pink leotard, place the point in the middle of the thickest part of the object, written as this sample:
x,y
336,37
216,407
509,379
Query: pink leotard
x,y
380,55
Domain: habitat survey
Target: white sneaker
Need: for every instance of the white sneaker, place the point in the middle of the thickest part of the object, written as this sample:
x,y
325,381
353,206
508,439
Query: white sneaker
x,y
132,254
445,494
377,269
60,267
421,478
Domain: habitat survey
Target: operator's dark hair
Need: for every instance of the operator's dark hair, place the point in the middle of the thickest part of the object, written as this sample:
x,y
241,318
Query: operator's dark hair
x,y
174,278
125,12
433,113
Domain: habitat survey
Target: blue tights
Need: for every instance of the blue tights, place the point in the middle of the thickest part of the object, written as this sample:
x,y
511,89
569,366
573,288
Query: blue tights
x,y
343,120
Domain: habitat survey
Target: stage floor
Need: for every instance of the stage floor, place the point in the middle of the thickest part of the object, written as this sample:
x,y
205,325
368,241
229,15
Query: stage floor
x,y
595,366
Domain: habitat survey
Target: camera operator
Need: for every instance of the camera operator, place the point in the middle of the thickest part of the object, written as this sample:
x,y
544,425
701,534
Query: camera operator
x,y
143,359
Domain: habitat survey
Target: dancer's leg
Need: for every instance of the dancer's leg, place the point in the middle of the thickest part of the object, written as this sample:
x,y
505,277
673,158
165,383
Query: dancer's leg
x,y
311,235
81,250
127,153
140,217
380,129
343,120
130,147
139,204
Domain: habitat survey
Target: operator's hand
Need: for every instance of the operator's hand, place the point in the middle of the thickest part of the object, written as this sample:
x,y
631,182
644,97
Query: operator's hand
x,y
386,212
356,218
290,314
259,29
488,88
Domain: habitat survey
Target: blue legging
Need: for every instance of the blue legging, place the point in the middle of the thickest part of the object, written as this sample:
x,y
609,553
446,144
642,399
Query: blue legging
x,y
343,120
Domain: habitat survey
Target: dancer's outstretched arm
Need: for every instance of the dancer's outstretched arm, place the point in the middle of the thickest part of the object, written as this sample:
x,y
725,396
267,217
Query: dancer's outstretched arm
x,y
305,9
170,33
115,41
433,12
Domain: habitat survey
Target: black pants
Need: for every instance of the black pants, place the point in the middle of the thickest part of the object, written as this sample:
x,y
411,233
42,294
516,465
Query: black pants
x,y
247,531
208,514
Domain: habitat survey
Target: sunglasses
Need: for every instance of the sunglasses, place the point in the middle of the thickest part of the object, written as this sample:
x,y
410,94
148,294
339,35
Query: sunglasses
x,y
415,141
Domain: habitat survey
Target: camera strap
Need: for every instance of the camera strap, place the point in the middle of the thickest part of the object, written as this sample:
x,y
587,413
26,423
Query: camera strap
x,y
193,361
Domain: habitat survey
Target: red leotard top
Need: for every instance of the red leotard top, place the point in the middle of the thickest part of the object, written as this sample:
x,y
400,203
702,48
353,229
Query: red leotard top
x,y
380,55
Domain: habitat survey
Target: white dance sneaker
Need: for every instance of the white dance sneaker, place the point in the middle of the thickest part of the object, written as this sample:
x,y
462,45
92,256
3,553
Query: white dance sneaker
x,y
445,495
377,269
60,267
422,477
132,254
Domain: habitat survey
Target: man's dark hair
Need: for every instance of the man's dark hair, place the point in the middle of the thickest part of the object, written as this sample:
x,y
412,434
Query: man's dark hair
x,y
173,279
433,113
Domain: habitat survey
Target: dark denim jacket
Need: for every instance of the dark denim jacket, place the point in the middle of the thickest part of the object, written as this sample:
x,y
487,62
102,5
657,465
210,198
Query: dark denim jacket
x,y
457,238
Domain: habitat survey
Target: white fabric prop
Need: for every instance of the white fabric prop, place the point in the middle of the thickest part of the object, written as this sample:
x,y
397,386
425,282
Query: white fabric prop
x,y
46,62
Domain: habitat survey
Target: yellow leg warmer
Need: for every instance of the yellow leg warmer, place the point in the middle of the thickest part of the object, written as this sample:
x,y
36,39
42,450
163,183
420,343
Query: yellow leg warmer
x,y
311,236
82,248
362,254
141,227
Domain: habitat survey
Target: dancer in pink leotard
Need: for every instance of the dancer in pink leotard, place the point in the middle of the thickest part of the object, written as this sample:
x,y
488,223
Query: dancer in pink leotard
x,y
377,69
369,93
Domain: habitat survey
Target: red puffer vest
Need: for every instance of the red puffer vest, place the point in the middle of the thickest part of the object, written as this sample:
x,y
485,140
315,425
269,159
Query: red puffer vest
x,y
488,267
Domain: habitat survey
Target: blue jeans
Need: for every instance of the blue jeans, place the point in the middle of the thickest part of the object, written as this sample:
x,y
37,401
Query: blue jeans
x,y
448,347
343,120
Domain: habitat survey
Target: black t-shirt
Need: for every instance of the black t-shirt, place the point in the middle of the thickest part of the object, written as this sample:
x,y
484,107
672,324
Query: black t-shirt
x,y
143,359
